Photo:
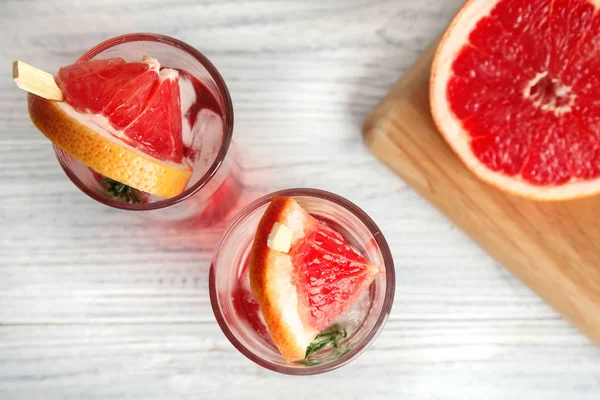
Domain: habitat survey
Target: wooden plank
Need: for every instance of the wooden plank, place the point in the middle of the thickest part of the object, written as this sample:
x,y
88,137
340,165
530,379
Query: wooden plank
x,y
552,247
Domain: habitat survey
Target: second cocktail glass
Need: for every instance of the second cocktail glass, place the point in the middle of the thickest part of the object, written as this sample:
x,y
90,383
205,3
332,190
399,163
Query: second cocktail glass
x,y
238,313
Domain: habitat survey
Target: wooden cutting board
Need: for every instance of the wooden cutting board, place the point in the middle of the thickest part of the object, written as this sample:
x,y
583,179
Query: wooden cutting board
x,y
553,247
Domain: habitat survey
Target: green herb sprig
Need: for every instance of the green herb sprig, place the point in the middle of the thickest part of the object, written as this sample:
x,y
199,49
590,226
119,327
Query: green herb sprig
x,y
121,192
330,337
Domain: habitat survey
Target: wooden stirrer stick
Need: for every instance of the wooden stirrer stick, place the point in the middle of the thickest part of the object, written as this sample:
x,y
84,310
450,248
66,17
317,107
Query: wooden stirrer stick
x,y
36,81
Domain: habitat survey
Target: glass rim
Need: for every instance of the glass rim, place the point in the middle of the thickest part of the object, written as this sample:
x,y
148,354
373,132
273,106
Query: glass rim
x,y
390,279
228,122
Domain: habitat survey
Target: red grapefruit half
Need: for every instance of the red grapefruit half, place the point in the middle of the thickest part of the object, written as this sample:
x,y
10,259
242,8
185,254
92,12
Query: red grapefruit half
x,y
121,119
514,91
301,292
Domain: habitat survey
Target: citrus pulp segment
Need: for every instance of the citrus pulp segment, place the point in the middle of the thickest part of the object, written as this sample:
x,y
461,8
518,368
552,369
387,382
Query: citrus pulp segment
x,y
157,129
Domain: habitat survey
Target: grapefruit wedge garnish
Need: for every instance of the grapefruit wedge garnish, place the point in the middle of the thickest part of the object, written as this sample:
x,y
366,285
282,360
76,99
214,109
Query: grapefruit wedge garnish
x,y
121,119
514,91
304,274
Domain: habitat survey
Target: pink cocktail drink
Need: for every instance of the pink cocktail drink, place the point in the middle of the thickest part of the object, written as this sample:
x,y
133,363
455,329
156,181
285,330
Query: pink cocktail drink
x,y
238,310
206,134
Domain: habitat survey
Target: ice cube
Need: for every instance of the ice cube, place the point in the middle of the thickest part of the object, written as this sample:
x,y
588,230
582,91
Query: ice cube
x,y
206,140
187,96
354,316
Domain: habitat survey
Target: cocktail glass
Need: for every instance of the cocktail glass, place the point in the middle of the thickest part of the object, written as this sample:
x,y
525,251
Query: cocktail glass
x,y
238,313
215,186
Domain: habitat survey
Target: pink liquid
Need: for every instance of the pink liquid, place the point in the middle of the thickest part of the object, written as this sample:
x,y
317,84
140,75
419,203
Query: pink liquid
x,y
204,99
246,306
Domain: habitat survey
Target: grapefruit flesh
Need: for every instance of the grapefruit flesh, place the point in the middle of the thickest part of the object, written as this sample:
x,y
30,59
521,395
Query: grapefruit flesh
x,y
301,292
127,103
513,91
330,275
89,86
137,98
157,130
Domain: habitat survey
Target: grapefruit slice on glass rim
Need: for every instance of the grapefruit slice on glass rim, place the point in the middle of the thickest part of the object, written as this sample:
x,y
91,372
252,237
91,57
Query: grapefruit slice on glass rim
x,y
303,282
514,92
123,120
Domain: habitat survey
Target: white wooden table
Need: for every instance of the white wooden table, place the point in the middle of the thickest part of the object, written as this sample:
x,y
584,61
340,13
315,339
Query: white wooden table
x,y
94,304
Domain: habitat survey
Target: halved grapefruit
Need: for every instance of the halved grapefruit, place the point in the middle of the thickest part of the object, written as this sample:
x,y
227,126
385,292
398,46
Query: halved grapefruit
x,y
514,91
121,119
301,291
